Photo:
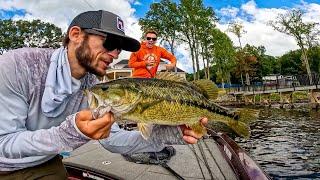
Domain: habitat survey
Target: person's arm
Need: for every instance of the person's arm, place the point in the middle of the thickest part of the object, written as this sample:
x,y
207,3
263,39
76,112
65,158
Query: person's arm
x,y
167,55
17,141
134,62
127,142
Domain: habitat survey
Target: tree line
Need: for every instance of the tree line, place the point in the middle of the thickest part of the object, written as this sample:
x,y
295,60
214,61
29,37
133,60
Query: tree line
x,y
35,33
192,23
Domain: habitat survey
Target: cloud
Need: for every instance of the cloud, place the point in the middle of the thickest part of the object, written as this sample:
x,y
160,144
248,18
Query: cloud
x,y
225,14
259,33
250,7
254,19
137,3
61,12
229,11
184,60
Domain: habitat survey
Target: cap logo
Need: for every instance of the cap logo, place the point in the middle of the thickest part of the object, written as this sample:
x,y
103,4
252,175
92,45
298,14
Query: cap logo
x,y
120,24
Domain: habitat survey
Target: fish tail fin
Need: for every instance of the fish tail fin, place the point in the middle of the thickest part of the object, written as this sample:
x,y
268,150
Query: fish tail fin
x,y
241,128
247,115
145,129
208,88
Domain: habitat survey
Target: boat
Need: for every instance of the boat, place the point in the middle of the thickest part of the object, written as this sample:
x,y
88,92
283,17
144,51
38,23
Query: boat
x,y
216,156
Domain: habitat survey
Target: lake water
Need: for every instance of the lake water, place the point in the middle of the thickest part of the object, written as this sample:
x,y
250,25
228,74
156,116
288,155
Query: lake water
x,y
286,143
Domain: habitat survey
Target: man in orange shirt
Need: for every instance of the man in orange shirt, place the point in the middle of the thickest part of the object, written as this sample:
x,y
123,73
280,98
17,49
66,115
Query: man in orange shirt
x,y
145,62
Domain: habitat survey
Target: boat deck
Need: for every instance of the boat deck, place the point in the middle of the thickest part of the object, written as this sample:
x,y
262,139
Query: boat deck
x,y
190,162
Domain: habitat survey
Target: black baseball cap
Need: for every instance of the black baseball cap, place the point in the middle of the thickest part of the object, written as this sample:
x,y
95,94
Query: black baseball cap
x,y
103,23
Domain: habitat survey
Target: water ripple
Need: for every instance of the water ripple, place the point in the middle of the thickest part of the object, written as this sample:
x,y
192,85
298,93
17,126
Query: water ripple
x,y
286,143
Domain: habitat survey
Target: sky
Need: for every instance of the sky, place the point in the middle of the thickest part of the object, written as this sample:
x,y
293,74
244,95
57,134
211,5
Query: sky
x,y
253,14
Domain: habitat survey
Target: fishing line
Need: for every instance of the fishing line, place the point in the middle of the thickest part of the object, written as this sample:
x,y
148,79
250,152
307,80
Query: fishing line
x,y
205,159
198,159
215,160
212,131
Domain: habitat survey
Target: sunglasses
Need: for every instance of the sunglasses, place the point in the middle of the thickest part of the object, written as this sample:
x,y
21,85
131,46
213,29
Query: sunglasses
x,y
149,38
113,42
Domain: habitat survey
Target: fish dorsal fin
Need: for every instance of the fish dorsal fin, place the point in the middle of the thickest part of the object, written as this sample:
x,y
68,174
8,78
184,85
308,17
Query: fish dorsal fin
x,y
145,129
208,88
170,76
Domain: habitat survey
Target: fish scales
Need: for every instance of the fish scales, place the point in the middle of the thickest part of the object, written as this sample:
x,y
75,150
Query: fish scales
x,y
163,89
158,101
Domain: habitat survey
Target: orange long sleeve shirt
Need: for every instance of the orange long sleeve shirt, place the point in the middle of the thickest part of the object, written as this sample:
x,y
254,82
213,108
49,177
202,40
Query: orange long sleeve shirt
x,y
138,59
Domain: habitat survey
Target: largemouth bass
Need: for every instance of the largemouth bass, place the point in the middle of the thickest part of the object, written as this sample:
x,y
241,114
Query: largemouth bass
x,y
164,100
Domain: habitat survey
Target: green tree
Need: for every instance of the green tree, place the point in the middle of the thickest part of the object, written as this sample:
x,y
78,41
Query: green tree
x,y
267,65
163,18
224,55
21,33
304,32
195,19
246,61
290,63
238,29
314,57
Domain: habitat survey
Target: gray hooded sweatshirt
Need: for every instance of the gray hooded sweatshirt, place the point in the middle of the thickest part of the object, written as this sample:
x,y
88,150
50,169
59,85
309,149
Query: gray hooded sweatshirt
x,y
28,137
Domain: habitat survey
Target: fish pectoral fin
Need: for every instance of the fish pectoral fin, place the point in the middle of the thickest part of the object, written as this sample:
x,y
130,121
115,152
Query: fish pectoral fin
x,y
145,129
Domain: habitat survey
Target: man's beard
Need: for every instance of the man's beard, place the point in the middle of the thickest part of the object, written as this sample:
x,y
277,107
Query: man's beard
x,y
83,54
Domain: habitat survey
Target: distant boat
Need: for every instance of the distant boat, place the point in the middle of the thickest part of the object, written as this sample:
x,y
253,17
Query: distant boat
x,y
214,157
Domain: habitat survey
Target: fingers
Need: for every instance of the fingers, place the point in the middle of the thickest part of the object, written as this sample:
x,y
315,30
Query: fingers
x,y
204,121
94,128
190,136
101,127
191,133
105,120
190,140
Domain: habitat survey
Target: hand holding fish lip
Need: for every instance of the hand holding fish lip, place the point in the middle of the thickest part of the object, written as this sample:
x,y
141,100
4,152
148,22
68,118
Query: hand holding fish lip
x,y
98,128
191,137
101,110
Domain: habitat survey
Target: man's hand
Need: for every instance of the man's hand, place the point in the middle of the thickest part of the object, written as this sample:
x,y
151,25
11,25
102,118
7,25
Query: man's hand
x,y
94,128
190,136
170,66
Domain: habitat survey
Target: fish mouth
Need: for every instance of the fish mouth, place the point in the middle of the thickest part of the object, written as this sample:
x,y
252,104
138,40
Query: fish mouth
x,y
116,109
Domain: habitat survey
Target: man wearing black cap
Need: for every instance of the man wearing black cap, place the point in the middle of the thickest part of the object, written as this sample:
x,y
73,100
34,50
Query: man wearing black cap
x,y
43,108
